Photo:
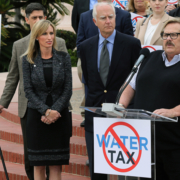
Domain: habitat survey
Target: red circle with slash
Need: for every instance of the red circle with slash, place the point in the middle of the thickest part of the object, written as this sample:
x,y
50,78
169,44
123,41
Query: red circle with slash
x,y
150,47
111,130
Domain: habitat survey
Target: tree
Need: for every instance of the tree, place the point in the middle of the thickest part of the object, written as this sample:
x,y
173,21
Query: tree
x,y
56,4
4,34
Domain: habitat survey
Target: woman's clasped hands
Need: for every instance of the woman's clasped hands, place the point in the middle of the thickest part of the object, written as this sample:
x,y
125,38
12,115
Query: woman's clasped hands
x,y
51,116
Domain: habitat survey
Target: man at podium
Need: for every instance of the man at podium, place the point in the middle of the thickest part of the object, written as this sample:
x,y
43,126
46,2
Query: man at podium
x,y
156,88
107,59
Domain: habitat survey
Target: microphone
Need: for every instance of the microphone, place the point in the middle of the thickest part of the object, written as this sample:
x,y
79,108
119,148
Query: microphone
x,y
143,54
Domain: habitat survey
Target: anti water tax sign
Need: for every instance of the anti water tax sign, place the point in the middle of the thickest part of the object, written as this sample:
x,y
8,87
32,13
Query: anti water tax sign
x,y
122,147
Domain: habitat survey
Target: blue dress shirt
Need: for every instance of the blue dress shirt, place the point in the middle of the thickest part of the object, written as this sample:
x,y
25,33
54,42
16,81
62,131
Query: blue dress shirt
x,y
92,3
110,45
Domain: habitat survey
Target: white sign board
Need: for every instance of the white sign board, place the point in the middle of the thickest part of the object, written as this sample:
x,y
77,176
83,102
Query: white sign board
x,y
134,19
152,47
122,147
120,3
170,2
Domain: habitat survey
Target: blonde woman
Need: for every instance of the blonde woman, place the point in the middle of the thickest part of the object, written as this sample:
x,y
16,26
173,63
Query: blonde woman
x,y
148,29
138,6
48,88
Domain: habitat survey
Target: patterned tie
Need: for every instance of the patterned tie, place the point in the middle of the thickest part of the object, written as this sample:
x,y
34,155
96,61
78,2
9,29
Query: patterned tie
x,y
104,63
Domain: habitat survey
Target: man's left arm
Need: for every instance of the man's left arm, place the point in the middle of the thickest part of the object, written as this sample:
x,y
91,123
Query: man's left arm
x,y
127,26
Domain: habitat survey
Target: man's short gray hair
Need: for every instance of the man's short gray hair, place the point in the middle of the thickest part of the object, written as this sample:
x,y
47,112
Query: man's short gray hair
x,y
94,13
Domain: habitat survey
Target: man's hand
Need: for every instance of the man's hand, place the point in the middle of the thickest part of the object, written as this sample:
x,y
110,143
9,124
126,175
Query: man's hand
x,y
166,112
170,8
1,108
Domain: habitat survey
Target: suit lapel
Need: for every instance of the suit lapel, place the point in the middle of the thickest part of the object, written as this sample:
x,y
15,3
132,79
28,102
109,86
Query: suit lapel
x,y
143,29
26,42
116,54
94,57
38,68
57,63
156,35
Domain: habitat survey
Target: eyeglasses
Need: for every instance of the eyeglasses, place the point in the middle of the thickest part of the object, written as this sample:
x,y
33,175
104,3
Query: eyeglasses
x,y
164,36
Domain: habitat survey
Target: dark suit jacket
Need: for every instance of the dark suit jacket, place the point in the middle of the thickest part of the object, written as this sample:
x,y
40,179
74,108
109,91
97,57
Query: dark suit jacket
x,y
175,12
125,52
79,7
35,86
88,29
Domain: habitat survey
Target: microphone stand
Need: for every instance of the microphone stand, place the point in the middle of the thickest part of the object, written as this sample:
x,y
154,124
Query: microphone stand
x,y
5,170
127,81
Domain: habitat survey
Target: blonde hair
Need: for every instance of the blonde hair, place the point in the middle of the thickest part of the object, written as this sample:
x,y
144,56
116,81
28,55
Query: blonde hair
x,y
131,6
38,29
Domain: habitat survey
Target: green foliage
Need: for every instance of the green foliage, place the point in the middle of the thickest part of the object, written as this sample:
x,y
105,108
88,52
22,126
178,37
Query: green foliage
x,y
69,37
5,5
56,4
74,58
4,34
52,16
12,34
6,50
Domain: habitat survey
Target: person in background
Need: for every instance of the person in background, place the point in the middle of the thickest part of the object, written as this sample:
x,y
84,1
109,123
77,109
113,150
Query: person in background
x,y
138,6
48,87
156,88
170,7
78,8
34,12
176,11
88,29
148,29
107,59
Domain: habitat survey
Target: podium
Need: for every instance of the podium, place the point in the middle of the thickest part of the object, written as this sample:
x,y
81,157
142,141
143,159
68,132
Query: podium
x,y
110,110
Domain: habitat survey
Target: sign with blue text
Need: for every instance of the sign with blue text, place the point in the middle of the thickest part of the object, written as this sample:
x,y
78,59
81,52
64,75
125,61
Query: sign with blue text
x,y
120,3
134,19
122,147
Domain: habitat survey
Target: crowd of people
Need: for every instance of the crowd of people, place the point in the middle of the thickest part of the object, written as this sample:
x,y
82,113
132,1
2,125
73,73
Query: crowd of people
x,y
107,51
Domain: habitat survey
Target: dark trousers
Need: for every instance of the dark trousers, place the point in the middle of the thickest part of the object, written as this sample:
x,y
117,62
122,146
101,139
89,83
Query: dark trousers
x,y
90,149
167,165
29,169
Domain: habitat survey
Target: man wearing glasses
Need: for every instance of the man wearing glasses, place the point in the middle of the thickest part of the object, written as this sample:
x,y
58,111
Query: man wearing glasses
x,y
156,88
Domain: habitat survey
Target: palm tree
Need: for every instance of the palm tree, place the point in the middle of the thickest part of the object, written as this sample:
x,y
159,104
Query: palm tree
x,y
4,34
56,4
5,6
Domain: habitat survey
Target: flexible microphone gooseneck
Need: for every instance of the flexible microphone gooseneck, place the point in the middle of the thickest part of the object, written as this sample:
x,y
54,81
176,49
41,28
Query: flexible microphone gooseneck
x,y
143,54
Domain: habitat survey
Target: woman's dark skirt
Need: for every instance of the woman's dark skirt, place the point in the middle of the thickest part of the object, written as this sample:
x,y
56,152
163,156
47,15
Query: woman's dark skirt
x,y
48,144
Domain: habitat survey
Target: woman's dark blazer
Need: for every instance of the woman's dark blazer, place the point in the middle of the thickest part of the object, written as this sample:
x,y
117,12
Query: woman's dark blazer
x,y
35,86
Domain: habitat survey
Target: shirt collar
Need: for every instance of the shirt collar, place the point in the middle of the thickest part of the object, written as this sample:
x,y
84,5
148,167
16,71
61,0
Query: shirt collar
x,y
175,59
110,39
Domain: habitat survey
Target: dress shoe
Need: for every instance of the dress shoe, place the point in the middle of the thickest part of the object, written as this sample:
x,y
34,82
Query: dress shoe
x,y
83,123
87,162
